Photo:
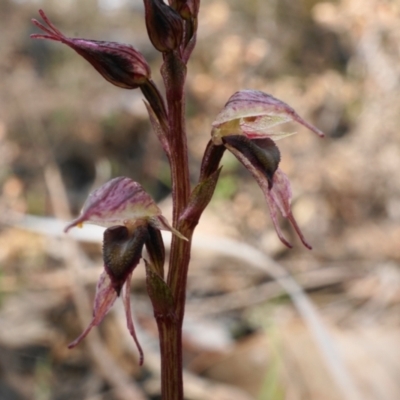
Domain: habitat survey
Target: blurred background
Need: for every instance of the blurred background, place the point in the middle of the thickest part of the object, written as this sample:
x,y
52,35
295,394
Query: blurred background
x,y
64,130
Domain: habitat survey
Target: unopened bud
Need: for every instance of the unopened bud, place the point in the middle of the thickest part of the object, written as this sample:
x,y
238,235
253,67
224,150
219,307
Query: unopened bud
x,y
164,25
186,8
120,64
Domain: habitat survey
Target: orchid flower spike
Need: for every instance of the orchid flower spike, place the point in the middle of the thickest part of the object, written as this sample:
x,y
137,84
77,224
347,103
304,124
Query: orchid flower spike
x,y
247,128
133,220
120,64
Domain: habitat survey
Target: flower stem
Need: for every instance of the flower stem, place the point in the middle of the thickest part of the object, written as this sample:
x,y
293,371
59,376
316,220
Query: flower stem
x,y
174,74
170,329
171,358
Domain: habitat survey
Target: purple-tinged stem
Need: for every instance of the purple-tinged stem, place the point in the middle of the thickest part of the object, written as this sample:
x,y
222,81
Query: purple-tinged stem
x,y
170,329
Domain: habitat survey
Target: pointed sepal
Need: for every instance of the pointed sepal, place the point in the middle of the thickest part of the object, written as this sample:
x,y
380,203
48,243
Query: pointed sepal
x,y
128,314
160,222
104,299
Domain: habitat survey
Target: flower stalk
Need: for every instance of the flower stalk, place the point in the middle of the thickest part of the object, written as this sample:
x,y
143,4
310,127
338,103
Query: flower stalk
x,y
170,329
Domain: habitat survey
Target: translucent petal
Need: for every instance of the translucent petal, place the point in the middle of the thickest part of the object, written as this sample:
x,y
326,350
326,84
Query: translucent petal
x,y
264,127
256,113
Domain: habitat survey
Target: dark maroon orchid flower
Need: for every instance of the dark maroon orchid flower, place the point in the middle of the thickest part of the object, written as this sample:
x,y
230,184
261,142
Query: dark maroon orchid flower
x,y
133,221
247,127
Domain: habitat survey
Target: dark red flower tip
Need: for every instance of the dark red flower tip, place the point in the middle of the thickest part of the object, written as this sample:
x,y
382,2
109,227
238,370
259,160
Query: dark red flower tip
x,y
120,64
164,25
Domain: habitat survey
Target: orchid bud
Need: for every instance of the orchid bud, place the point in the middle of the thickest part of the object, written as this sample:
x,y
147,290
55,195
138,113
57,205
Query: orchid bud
x,y
120,64
164,25
186,8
